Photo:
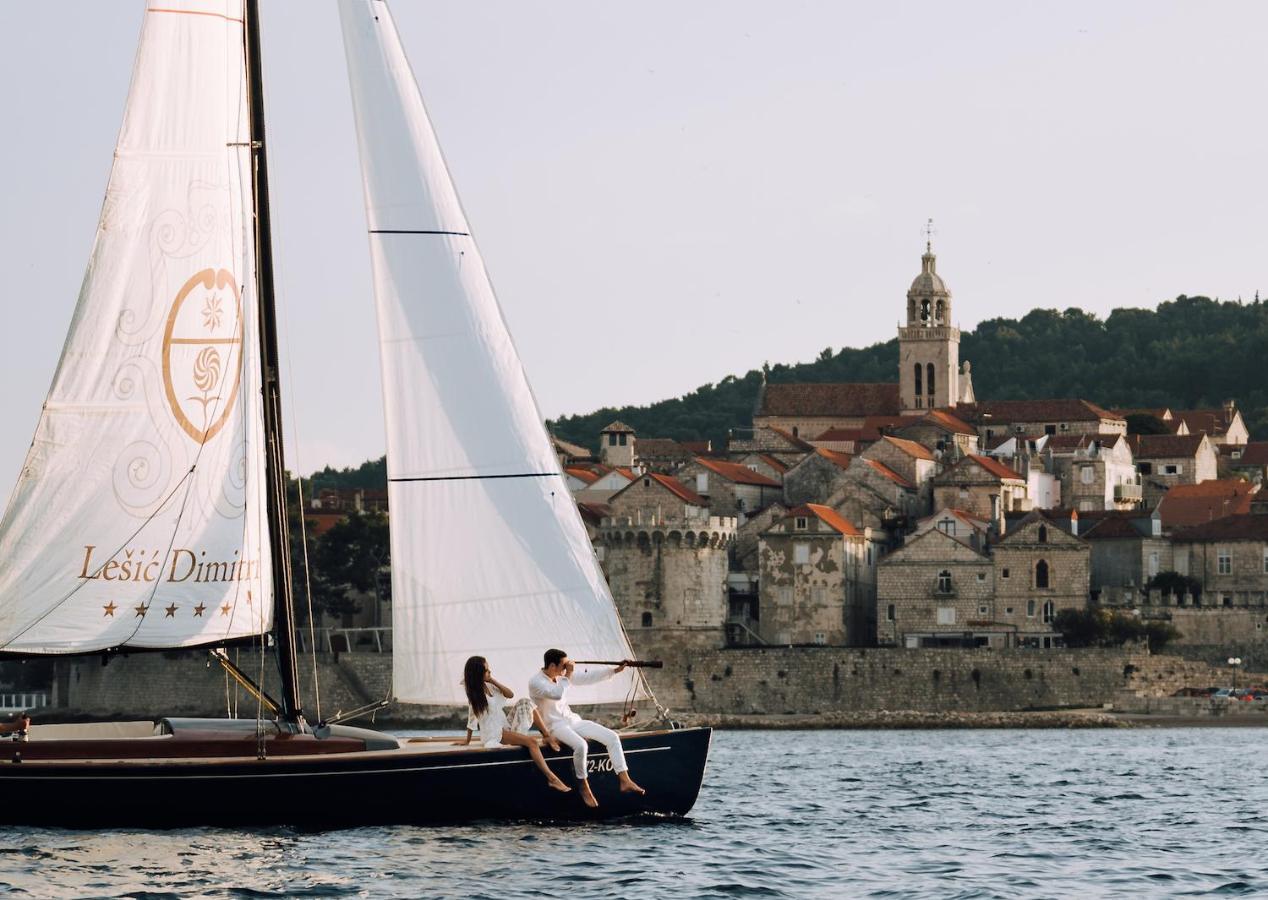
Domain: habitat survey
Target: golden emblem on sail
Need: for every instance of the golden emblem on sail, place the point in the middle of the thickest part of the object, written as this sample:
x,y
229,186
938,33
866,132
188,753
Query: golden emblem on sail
x,y
202,353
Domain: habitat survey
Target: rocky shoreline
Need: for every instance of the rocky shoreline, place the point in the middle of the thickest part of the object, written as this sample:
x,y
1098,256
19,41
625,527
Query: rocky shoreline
x,y
910,719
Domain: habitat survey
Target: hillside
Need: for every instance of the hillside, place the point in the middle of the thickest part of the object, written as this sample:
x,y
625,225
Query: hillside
x,y
1188,353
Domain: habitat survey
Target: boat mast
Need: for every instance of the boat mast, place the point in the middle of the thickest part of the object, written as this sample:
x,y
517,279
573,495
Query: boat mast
x,y
274,463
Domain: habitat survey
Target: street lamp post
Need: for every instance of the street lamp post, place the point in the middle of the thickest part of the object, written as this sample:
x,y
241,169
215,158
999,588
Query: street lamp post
x,y
1233,663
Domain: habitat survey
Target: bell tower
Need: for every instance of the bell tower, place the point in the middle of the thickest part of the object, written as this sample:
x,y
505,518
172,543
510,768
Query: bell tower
x,y
928,345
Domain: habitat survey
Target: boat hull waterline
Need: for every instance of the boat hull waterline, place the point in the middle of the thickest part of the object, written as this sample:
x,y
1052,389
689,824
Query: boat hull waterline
x,y
416,784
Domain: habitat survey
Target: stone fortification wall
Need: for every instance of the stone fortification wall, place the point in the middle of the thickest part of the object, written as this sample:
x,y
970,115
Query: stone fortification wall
x,y
1216,625
801,680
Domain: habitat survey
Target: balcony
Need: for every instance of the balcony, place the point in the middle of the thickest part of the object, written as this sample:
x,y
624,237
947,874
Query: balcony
x,y
1127,493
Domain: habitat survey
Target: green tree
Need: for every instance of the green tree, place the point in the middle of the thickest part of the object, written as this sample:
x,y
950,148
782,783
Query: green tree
x,y
348,560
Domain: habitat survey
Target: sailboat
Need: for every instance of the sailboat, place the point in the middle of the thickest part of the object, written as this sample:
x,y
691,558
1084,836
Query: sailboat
x,y
150,513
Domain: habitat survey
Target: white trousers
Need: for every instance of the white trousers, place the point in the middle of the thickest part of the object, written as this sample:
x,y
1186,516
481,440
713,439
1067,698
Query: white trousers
x,y
575,735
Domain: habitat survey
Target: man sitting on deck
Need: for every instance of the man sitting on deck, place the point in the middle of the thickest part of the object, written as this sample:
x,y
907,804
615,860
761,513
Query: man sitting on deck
x,y
547,688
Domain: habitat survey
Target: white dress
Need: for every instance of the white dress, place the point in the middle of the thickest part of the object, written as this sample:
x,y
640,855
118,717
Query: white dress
x,y
496,717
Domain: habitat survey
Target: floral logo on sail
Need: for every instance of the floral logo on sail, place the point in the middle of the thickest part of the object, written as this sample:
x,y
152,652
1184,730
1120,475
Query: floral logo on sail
x,y
202,353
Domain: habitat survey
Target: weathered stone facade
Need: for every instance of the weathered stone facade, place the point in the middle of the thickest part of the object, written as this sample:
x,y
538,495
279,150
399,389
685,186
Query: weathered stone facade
x,y
817,581
980,486
1040,570
933,591
818,476
1095,472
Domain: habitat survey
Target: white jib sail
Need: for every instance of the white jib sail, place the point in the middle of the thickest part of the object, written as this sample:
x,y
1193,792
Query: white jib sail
x,y
138,518
489,554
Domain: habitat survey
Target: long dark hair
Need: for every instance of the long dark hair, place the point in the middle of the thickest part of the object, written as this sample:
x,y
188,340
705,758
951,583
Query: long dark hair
x,y
473,681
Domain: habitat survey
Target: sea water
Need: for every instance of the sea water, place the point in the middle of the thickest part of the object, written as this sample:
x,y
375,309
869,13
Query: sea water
x,y
1148,812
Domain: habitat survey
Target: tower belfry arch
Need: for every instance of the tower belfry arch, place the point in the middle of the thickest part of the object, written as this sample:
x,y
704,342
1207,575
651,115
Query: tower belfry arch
x,y
928,344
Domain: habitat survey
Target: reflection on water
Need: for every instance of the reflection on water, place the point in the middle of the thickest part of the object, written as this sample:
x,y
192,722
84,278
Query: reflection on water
x,y
782,814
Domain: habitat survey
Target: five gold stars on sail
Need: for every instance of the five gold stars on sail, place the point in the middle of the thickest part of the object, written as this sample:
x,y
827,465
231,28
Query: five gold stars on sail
x,y
141,609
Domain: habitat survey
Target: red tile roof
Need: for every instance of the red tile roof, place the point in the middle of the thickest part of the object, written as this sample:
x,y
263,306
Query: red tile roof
x,y
998,469
842,434
1165,446
1005,412
1068,443
949,421
911,448
889,473
842,460
1254,453
594,513
825,514
679,490
1212,421
1193,504
662,448
1230,528
618,427
736,472
867,399
776,464
589,476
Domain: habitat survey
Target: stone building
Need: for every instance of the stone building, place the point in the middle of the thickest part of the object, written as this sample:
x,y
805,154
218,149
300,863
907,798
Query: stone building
x,y
731,489
981,486
768,440
817,580
935,591
1249,461
1001,418
914,462
817,477
1165,460
1096,472
1224,426
1040,569
764,464
965,527
1128,549
806,411
666,559
1186,505
1229,557
616,445
875,496
929,373
946,434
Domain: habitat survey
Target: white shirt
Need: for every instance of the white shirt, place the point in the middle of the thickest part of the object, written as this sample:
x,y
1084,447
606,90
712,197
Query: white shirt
x,y
491,722
549,695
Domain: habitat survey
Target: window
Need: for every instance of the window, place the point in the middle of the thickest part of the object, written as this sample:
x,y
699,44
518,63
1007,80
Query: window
x,y
611,440
869,555
1145,468
622,436
817,595
1041,574
1153,564
1043,534
647,482
1224,561
1228,601
799,523
947,526
889,613
1008,610
981,610
785,595
647,620
796,431
944,582
1050,429
1030,609
820,637
919,379
981,576
929,382
801,554
1086,474
1003,573
1049,611
946,615
1086,506
702,483
1266,562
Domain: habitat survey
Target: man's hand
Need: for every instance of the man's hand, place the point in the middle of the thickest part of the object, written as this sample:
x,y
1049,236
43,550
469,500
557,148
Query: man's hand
x,y
569,667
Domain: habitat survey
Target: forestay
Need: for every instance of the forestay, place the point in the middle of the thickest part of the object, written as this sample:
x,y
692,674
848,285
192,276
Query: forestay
x,y
489,554
138,517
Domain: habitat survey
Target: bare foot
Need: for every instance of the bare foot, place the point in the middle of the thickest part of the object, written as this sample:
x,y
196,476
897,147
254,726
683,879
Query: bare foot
x,y
628,786
587,796
559,785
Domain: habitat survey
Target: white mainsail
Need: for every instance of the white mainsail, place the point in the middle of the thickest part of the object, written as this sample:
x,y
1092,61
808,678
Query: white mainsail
x,y
138,518
489,554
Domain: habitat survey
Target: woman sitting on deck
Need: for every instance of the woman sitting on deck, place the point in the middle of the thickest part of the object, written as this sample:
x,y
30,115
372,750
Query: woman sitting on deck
x,y
499,726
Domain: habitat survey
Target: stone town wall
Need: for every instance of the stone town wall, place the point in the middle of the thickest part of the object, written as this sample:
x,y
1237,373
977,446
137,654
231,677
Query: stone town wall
x,y
1205,626
808,680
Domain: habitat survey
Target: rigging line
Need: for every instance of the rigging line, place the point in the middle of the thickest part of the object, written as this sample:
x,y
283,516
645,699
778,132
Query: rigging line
x,y
473,477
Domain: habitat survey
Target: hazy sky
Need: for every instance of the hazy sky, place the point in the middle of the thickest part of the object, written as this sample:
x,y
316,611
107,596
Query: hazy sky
x,y
669,192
